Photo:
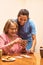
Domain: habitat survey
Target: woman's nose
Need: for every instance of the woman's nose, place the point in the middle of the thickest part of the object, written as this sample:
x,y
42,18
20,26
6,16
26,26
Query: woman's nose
x,y
14,30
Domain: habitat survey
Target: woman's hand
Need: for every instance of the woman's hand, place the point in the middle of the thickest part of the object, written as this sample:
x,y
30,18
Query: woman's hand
x,y
31,50
23,44
9,45
18,40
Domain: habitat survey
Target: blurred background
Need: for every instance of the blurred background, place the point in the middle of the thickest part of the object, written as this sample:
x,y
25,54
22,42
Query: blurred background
x,y
10,8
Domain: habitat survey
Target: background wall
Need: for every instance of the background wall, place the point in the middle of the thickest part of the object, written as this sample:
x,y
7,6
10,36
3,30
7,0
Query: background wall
x,y
10,9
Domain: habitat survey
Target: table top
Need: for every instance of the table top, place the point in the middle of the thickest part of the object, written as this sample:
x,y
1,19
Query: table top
x,y
34,60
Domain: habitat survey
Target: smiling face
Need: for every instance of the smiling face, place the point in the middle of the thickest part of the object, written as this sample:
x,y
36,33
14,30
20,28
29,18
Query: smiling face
x,y
23,16
22,19
12,31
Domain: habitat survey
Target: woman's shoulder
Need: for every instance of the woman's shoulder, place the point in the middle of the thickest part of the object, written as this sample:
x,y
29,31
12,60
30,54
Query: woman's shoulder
x,y
3,36
31,22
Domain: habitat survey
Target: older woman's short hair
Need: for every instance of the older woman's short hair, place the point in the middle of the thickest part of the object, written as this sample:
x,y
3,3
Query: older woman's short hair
x,y
7,25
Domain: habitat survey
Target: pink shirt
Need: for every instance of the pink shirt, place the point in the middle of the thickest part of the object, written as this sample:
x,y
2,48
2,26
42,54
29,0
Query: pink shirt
x,y
4,40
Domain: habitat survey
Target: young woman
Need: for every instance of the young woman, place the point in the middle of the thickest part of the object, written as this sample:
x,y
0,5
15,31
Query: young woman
x,y
27,29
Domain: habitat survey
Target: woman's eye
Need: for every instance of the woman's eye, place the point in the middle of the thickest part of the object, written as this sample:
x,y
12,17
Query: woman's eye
x,y
20,18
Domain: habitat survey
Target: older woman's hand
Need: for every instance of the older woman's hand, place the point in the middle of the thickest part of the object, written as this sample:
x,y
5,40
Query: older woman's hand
x,y
18,40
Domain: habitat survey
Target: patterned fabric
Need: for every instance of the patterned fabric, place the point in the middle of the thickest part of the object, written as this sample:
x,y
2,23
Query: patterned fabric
x,y
4,40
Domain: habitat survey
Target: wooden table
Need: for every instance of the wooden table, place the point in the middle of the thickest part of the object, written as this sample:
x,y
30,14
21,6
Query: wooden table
x,y
34,60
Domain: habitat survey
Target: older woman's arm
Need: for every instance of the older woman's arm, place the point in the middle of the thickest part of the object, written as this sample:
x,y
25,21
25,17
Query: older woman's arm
x,y
7,47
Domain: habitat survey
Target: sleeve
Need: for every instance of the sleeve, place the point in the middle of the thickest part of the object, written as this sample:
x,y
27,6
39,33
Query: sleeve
x,y
3,46
2,42
33,27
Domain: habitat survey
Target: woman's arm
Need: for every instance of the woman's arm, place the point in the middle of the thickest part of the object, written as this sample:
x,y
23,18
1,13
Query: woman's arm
x,y
7,47
33,43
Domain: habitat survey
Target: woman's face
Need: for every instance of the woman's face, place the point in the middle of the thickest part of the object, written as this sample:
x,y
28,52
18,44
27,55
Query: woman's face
x,y
22,19
12,29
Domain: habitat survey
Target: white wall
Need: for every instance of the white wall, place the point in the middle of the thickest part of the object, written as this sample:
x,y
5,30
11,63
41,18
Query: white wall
x,y
10,9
